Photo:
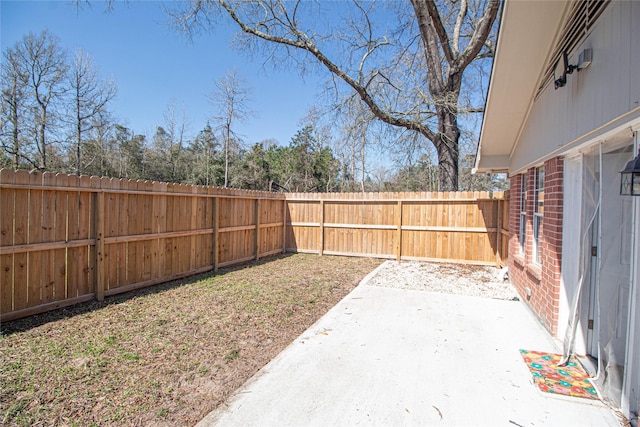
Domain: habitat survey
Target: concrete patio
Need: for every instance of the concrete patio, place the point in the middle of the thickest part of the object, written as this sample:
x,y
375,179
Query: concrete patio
x,y
387,356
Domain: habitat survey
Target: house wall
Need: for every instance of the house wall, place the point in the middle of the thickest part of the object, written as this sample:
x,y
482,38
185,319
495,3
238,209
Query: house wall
x,y
599,107
596,99
572,233
538,285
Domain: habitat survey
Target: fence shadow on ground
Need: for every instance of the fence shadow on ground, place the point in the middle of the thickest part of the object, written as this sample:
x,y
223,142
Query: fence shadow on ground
x,y
26,323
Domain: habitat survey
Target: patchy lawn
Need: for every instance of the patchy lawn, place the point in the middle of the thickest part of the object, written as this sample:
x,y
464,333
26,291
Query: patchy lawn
x,y
169,354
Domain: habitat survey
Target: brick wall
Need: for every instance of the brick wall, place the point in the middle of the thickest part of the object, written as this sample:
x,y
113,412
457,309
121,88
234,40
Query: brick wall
x,y
538,284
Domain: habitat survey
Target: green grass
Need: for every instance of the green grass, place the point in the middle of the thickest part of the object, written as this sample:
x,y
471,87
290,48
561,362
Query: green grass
x,y
167,354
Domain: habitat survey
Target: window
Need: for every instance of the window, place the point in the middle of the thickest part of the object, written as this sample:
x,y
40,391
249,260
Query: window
x,y
523,212
538,214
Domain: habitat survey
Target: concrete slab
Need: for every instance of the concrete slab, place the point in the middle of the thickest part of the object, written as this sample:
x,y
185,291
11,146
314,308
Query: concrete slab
x,y
385,356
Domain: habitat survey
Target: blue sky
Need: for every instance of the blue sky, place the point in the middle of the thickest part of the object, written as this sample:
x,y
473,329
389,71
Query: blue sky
x,y
155,66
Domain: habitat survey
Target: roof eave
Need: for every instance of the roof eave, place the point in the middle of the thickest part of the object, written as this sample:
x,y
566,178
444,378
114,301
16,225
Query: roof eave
x,y
528,31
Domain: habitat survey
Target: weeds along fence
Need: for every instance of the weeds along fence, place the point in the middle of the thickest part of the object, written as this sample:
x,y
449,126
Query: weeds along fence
x,y
67,239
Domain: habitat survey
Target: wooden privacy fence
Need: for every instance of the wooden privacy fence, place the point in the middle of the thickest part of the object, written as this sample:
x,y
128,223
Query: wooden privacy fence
x,y
467,227
66,239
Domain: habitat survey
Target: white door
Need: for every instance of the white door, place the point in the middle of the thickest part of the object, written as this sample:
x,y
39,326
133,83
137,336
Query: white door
x,y
610,292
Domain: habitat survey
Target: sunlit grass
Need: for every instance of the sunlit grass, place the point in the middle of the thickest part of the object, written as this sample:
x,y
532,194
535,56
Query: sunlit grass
x,y
166,354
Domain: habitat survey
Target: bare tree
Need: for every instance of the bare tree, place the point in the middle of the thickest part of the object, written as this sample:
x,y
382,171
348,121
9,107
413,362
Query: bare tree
x,y
167,155
176,128
43,64
90,98
99,151
356,126
204,153
13,100
409,72
380,177
231,97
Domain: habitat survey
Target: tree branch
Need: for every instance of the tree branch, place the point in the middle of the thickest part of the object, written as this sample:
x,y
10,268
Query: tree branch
x,y
456,29
365,56
303,42
480,35
432,52
434,16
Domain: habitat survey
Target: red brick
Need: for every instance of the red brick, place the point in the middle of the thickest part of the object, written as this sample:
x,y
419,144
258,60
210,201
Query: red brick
x,y
543,280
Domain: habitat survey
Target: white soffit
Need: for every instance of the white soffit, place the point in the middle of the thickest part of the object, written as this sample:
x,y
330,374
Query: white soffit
x,y
527,34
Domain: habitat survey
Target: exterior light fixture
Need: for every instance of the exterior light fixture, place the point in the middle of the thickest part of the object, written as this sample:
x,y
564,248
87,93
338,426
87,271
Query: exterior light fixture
x,y
561,70
630,178
563,67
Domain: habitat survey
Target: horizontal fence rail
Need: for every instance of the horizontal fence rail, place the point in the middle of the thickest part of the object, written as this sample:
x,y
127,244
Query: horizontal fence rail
x,y
464,227
67,239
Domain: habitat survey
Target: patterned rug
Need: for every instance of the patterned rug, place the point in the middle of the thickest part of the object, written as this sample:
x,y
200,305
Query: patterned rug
x,y
569,380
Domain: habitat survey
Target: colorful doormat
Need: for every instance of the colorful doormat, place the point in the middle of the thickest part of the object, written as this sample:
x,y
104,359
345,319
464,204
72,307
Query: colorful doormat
x,y
569,380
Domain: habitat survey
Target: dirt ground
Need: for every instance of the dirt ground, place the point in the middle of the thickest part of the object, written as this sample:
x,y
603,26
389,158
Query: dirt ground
x,y
169,354
458,279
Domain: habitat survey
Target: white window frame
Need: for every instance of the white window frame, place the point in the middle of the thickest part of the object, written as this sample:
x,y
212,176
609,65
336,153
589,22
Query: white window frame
x,y
522,235
538,214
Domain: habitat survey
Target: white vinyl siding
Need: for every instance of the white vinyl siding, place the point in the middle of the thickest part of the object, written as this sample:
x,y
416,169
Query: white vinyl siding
x,y
594,102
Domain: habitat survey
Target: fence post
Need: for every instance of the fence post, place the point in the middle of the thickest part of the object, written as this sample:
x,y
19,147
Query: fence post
x,y
257,235
399,227
321,227
216,205
284,225
194,222
499,235
99,218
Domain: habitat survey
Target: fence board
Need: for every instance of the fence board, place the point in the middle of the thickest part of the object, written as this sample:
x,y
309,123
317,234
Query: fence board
x,y
184,245
35,235
7,214
134,227
161,224
147,228
176,225
21,224
98,233
48,235
197,211
59,256
124,214
85,285
74,280
166,245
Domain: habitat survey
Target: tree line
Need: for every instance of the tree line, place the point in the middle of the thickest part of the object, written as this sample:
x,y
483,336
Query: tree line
x,y
55,116
51,104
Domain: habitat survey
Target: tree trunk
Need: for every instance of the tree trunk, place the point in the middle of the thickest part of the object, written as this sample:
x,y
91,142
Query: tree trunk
x,y
362,157
42,138
447,160
102,154
447,139
16,132
226,156
78,143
